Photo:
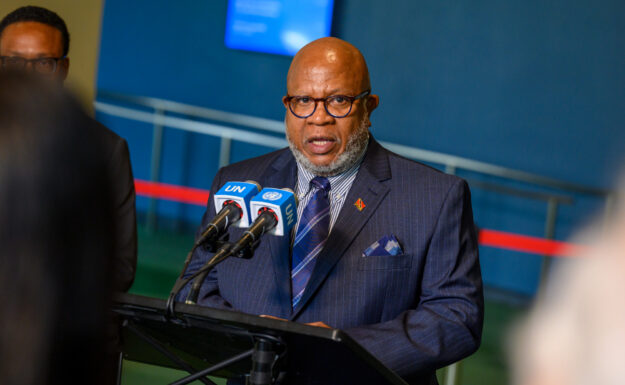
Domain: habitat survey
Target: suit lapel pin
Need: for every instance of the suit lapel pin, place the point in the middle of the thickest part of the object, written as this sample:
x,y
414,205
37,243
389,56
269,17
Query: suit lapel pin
x,y
360,205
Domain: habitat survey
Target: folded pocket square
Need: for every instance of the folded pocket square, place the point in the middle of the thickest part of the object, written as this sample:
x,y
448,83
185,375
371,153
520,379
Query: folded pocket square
x,y
387,245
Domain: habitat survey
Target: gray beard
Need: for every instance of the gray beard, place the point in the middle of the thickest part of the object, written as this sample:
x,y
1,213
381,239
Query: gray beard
x,y
356,146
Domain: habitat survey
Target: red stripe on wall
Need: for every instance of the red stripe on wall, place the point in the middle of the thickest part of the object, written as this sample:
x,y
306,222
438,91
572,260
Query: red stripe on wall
x,y
527,244
489,238
172,192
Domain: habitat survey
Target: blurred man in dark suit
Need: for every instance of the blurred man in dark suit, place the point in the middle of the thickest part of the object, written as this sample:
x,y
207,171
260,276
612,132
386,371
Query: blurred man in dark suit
x,y
36,39
385,248
56,237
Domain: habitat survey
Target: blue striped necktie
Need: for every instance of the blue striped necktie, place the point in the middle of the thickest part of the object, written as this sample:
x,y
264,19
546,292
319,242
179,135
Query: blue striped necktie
x,y
310,237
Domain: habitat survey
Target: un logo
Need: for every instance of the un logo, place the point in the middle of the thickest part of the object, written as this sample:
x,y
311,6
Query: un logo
x,y
272,196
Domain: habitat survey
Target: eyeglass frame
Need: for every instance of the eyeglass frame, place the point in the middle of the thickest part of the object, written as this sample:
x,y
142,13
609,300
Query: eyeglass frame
x,y
33,61
352,99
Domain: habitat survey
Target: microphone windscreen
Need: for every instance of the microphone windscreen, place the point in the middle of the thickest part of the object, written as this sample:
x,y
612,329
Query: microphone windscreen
x,y
283,204
241,193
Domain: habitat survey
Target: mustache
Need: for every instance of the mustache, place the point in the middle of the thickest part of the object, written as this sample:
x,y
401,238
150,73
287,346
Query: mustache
x,y
354,149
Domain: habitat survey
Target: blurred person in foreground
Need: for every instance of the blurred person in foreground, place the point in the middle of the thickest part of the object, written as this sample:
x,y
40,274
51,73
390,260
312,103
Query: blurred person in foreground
x,y
36,40
575,334
56,232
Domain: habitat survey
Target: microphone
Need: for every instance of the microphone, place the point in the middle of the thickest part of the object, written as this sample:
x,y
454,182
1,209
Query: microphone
x,y
273,212
232,203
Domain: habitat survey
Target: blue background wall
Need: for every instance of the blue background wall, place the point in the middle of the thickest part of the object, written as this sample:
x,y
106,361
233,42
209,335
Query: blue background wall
x,y
537,85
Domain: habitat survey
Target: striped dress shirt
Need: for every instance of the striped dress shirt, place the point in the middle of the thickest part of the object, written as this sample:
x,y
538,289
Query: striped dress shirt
x,y
339,187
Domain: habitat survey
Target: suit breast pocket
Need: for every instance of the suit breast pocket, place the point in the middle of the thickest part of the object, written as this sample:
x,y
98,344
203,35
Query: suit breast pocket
x,y
385,262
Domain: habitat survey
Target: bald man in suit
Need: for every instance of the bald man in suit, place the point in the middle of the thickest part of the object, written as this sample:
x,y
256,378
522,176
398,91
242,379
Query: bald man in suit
x,y
397,266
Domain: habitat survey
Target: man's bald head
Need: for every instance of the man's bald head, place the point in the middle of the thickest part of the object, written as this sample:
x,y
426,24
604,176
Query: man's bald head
x,y
330,52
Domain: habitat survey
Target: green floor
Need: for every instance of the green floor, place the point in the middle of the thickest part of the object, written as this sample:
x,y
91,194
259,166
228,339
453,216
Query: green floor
x,y
162,254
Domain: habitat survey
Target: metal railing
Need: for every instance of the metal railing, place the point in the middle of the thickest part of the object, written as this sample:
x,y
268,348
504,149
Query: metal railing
x,y
165,113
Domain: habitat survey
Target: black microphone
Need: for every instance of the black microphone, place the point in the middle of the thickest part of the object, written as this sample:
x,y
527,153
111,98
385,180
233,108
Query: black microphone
x,y
273,211
229,213
266,220
232,200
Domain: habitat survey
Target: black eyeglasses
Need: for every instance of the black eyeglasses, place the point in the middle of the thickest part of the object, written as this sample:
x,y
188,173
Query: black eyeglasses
x,y
338,106
42,65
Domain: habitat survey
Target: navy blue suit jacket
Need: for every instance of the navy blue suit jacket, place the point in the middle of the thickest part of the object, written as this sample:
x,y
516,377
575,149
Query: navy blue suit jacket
x,y
415,312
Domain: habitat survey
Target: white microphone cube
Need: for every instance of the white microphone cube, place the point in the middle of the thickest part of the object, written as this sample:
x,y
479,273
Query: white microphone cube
x,y
241,193
282,203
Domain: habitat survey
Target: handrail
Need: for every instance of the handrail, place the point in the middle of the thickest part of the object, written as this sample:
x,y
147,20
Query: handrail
x,y
196,111
490,169
190,125
274,126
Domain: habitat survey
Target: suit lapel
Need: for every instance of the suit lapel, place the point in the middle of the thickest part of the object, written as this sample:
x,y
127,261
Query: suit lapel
x,y
367,186
281,174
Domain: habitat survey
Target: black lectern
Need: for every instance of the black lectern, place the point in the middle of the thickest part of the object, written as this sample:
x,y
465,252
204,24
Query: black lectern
x,y
229,344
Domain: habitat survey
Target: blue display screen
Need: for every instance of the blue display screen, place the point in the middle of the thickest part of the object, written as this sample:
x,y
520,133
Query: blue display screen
x,y
277,26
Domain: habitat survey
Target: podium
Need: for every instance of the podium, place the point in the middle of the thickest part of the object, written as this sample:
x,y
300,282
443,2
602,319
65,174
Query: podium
x,y
230,344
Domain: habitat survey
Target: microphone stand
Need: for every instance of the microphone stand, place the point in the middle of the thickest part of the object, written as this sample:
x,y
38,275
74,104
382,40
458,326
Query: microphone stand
x,y
180,282
224,251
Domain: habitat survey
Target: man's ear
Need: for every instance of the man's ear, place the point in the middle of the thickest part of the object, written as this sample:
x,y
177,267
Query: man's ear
x,y
372,102
286,104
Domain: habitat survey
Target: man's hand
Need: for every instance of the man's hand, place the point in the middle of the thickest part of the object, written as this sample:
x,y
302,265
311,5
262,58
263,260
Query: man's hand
x,y
317,324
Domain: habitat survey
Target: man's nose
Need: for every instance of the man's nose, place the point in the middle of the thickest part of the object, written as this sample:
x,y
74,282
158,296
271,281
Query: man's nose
x,y
321,115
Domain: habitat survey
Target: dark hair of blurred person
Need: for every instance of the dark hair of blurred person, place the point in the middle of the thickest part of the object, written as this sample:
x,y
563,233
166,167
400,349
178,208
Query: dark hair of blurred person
x,y
56,231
